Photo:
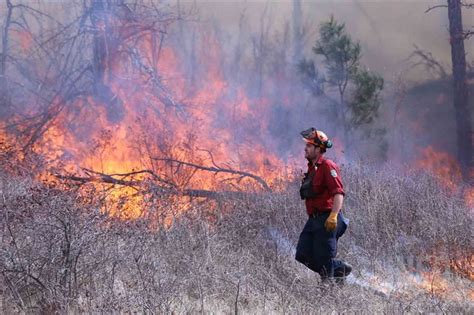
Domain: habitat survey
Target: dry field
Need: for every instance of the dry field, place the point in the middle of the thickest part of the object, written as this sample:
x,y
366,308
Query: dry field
x,y
409,241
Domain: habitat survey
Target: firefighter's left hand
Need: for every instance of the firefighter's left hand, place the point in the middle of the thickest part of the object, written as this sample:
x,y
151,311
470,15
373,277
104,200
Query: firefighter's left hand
x,y
331,222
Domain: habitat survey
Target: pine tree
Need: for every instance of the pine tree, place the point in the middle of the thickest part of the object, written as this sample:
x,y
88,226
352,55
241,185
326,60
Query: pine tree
x,y
344,72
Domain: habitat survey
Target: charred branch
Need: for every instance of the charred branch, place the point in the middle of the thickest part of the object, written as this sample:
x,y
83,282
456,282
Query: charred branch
x,y
216,170
104,178
436,7
467,5
115,27
160,189
464,5
212,194
6,28
42,122
428,60
111,178
163,94
467,34
94,176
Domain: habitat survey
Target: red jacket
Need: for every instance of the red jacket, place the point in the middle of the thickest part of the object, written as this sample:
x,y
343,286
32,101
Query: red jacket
x,y
326,183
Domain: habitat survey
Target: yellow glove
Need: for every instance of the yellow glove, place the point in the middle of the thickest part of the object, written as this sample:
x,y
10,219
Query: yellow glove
x,y
331,222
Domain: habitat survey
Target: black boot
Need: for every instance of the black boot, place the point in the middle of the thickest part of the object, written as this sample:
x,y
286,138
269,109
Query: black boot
x,y
341,272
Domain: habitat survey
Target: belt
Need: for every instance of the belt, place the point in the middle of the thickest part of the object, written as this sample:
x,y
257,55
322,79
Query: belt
x,y
319,212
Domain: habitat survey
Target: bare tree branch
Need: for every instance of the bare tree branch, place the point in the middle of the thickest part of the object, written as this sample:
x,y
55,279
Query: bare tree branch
x,y
6,27
218,170
467,34
163,94
435,7
160,190
125,175
428,60
94,176
467,5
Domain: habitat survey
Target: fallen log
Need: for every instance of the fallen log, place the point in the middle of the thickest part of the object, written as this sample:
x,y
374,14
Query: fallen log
x,y
216,169
162,186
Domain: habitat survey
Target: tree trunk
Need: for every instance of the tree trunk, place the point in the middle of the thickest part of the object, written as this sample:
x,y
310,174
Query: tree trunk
x,y
297,31
99,60
461,102
4,93
105,43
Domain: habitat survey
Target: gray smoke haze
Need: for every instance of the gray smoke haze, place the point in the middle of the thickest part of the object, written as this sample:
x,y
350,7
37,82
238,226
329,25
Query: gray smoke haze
x,y
254,53
387,30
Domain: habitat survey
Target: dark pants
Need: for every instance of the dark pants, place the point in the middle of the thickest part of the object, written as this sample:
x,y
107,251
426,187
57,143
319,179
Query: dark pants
x,y
317,248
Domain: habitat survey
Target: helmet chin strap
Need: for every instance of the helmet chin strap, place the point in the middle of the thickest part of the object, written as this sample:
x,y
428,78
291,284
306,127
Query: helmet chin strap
x,y
315,159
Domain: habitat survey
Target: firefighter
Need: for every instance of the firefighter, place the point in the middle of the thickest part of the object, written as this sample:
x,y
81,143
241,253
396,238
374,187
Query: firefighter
x,y
323,193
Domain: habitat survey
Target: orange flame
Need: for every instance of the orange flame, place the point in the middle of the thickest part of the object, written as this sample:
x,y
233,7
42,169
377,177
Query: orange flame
x,y
448,171
24,39
151,114
442,165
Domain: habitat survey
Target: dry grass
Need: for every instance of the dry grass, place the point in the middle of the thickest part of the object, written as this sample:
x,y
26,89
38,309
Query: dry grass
x,y
60,253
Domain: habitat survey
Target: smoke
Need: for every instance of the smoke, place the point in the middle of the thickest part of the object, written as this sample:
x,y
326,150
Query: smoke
x,y
234,62
389,32
386,29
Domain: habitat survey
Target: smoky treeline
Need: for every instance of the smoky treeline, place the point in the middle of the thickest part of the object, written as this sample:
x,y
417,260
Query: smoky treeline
x,y
169,79
66,66
128,92
140,84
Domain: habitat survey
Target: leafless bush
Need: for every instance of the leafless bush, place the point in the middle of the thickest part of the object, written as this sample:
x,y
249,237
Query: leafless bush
x,y
407,217
51,241
60,253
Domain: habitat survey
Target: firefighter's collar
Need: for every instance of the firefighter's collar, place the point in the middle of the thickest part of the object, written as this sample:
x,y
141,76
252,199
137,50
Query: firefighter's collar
x,y
318,162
